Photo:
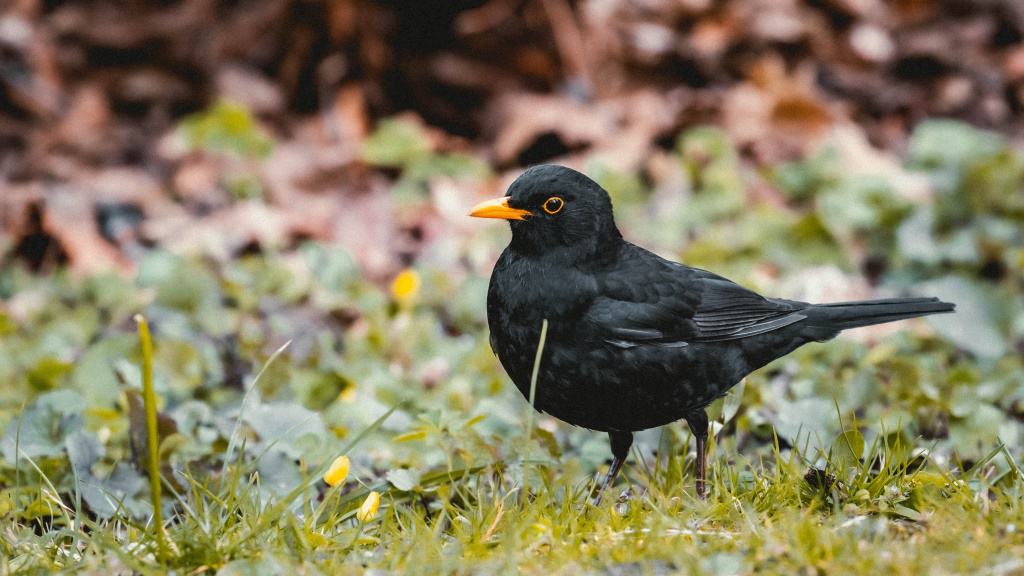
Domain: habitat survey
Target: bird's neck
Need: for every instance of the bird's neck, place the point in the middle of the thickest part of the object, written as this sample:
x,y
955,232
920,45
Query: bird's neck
x,y
591,248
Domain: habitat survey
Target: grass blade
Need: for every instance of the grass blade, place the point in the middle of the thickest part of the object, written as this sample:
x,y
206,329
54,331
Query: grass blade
x,y
152,439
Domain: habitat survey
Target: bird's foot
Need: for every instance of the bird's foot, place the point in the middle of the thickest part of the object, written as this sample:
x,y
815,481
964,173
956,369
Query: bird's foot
x,y
623,502
596,494
595,499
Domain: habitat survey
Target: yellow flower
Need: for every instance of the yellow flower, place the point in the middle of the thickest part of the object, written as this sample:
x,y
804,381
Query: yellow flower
x,y
338,471
405,286
348,395
368,511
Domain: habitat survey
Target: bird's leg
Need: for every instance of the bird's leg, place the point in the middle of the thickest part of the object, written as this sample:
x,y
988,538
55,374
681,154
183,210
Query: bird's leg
x,y
698,423
621,442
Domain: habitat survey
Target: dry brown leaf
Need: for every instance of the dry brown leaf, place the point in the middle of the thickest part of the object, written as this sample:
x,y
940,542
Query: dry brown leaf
x,y
859,158
616,131
250,88
777,110
365,227
71,218
872,43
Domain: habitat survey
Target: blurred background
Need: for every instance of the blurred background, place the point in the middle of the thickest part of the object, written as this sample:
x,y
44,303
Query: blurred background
x,y
250,173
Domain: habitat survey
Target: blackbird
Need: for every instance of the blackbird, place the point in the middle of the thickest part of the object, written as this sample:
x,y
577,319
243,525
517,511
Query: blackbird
x,y
634,341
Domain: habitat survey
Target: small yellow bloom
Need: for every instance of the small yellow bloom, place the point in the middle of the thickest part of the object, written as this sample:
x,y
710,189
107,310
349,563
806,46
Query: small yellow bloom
x,y
348,395
315,540
368,511
405,286
338,471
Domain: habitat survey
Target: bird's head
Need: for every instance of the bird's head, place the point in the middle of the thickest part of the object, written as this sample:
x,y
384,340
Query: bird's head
x,y
551,206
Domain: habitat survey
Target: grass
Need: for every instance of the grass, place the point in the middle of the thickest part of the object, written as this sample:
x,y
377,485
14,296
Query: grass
x,y
890,514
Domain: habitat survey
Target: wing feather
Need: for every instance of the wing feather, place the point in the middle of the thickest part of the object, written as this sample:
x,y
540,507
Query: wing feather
x,y
661,303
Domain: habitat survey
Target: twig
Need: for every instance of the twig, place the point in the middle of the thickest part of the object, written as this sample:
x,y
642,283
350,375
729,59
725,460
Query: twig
x,y
569,41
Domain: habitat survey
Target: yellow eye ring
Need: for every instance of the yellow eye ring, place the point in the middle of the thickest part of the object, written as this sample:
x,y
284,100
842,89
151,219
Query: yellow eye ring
x,y
553,205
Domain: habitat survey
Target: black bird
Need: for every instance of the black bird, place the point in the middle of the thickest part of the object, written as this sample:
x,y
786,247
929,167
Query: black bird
x,y
634,341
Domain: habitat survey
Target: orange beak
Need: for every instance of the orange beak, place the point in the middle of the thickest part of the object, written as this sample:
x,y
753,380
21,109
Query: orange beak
x,y
498,208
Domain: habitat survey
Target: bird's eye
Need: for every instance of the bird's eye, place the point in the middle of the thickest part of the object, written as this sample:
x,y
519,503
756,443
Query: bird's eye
x,y
553,205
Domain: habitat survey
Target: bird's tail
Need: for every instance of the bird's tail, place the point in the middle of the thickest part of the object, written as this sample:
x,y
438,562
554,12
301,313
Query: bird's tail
x,y
844,315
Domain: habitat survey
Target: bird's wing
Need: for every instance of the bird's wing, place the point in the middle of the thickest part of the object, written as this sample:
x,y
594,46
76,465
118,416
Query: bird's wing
x,y
649,301
728,311
629,324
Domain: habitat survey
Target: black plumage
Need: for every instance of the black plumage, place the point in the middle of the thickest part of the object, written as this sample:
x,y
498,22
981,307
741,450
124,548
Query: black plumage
x,y
634,341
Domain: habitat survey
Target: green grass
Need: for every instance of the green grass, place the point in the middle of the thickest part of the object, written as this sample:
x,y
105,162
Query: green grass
x,y
892,515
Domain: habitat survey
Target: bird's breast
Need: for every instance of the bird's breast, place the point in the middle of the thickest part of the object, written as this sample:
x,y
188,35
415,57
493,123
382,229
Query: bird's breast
x,y
523,293
528,291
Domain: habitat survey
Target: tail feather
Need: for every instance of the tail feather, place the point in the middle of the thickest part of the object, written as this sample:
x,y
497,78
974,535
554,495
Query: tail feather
x,y
844,315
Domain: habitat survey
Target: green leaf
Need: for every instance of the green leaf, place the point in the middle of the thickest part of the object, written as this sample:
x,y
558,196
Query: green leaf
x,y
950,144
807,422
334,268
426,166
973,326
976,173
278,472
226,127
711,162
43,427
48,373
908,513
403,479
120,492
180,283
805,178
847,450
395,143
860,205
974,435
95,374
915,240
83,449
287,426
733,400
